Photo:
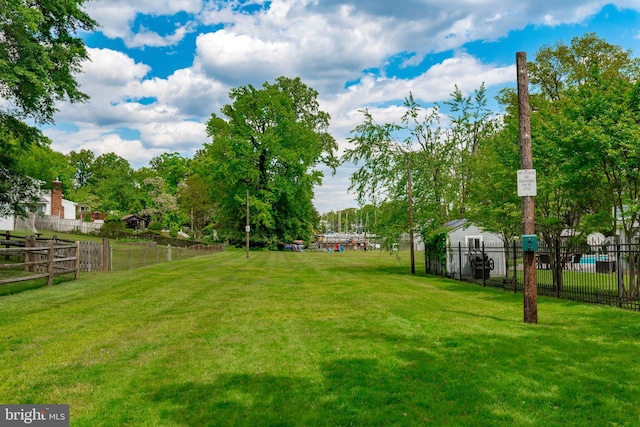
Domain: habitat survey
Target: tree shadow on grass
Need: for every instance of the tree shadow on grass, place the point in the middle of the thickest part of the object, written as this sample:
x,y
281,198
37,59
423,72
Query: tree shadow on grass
x,y
352,391
239,399
458,380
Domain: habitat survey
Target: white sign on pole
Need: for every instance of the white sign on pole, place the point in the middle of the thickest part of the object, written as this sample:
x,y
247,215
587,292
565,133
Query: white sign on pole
x,y
527,182
247,228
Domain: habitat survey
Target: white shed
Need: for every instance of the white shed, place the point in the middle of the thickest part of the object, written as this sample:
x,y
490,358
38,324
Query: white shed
x,y
465,241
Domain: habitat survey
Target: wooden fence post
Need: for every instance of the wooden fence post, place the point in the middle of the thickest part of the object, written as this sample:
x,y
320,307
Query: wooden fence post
x,y
50,265
29,242
7,235
77,259
105,255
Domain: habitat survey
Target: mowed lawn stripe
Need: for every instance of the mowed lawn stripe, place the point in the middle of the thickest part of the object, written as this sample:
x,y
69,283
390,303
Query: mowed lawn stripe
x,y
312,338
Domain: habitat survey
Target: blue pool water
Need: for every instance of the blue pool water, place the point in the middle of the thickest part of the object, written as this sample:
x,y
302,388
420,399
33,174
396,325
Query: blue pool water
x,y
591,259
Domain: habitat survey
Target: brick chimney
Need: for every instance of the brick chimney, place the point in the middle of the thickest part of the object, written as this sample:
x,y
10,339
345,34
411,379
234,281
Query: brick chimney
x,y
56,199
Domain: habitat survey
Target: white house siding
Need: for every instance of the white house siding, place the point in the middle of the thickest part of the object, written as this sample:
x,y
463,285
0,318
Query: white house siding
x,y
6,223
461,235
69,209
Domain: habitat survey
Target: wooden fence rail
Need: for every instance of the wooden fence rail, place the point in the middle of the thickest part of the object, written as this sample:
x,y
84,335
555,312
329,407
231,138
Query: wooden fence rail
x,y
46,261
52,257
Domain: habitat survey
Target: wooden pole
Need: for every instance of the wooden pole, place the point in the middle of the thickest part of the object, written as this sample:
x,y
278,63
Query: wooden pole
x,y
50,269
528,219
248,224
410,203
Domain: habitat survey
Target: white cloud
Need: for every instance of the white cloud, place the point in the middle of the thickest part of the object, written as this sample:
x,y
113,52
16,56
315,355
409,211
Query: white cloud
x,y
237,58
116,18
110,69
144,37
164,121
326,42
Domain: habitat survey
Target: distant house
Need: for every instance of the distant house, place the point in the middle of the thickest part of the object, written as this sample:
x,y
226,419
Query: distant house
x,y
53,203
466,240
84,210
7,223
135,222
48,203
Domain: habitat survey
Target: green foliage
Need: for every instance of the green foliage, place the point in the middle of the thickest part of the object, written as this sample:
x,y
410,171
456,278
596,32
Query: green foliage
x,y
159,203
113,229
435,242
82,162
584,132
44,164
114,217
14,191
155,226
114,183
269,144
171,167
194,200
442,162
39,56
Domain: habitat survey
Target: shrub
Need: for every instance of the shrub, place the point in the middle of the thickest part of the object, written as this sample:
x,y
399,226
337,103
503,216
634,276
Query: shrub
x,y
156,226
114,230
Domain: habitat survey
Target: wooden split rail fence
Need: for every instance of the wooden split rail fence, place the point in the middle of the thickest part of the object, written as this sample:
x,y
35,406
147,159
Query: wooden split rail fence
x,y
47,258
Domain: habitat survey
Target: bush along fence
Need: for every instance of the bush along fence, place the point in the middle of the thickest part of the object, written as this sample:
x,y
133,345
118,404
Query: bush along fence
x,y
607,274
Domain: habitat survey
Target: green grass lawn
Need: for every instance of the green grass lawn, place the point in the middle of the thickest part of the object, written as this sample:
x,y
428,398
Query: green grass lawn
x,y
312,339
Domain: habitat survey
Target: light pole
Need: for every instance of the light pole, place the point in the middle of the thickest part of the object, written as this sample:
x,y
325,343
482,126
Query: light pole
x,y
248,227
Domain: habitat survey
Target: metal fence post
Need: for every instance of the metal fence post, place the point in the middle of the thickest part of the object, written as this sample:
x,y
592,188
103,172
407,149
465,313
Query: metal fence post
x,y
515,267
484,266
620,278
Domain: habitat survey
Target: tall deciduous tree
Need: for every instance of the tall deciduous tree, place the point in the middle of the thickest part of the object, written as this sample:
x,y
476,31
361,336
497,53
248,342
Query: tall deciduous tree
x,y
113,182
160,203
584,127
472,124
404,162
39,55
172,167
269,141
195,203
82,162
604,144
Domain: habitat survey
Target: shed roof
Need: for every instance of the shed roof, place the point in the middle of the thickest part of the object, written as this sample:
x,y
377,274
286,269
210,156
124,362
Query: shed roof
x,y
456,223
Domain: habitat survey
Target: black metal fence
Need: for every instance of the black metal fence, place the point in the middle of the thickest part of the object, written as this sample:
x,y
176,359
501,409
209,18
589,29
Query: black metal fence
x,y
608,274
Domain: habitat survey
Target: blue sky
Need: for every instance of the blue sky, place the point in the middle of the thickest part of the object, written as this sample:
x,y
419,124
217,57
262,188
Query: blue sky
x,y
159,68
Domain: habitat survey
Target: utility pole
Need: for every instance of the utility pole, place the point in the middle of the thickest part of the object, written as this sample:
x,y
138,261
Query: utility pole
x,y
248,227
410,203
528,220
